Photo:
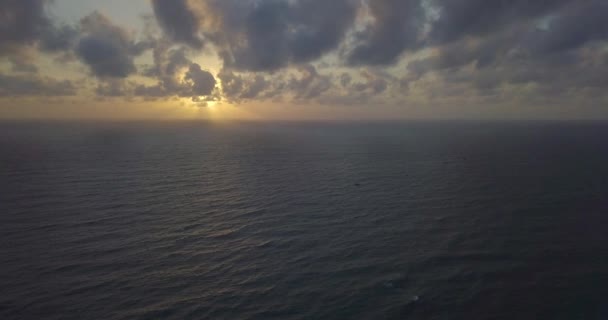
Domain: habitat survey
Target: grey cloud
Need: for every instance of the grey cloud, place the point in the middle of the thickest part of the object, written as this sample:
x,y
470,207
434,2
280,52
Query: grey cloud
x,y
490,37
459,18
255,87
548,79
106,48
303,84
396,26
579,24
178,21
320,27
238,87
59,39
202,82
367,86
25,23
278,33
482,52
508,32
264,35
104,58
372,84
155,91
345,79
168,64
310,84
232,84
22,22
112,88
21,65
24,86
376,85
268,47
525,52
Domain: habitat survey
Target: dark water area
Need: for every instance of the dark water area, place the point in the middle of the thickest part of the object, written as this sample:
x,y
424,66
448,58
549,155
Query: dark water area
x,y
416,220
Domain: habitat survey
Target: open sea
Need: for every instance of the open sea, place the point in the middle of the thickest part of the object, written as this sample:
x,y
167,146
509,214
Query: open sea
x,y
393,220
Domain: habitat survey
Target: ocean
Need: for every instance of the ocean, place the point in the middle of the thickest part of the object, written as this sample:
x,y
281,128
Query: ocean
x,y
304,220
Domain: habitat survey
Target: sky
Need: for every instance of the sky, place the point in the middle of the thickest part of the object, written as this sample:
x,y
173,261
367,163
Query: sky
x,y
303,59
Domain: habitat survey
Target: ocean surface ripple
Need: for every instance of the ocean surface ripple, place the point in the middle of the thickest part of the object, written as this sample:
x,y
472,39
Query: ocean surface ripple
x,y
417,220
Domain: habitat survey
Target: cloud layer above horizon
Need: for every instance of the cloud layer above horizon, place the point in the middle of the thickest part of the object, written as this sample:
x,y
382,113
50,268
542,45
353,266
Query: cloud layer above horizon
x,y
338,52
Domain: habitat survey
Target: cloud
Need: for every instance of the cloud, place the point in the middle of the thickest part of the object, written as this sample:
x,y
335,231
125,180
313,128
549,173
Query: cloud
x,y
32,85
264,35
21,65
200,82
459,18
178,21
326,51
107,49
281,33
310,84
395,26
25,24
237,88
177,75
361,88
22,22
113,88
546,47
345,79
303,83
573,28
58,39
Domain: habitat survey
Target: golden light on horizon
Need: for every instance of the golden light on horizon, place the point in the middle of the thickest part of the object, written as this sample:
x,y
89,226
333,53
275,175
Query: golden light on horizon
x,y
217,111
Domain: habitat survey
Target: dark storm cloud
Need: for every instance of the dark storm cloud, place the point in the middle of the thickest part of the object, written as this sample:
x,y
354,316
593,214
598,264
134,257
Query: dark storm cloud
x,y
178,21
32,85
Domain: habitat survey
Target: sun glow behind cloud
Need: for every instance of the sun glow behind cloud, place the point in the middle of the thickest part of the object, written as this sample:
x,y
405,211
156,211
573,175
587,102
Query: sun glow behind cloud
x,y
216,111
